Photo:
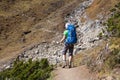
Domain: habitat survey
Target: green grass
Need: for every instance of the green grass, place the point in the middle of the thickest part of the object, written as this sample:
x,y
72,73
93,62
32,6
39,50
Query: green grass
x,y
31,70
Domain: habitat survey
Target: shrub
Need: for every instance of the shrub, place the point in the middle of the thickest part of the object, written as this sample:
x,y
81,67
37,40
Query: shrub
x,y
114,22
31,70
100,34
113,10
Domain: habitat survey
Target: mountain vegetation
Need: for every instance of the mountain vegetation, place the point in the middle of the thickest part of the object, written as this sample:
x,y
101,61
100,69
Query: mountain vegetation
x,y
26,22
31,70
113,60
105,58
114,22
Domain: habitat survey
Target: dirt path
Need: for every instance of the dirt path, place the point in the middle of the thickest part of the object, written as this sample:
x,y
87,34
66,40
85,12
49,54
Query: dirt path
x,y
77,73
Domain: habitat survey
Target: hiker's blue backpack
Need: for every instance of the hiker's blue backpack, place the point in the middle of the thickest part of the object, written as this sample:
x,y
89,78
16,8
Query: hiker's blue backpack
x,y
72,36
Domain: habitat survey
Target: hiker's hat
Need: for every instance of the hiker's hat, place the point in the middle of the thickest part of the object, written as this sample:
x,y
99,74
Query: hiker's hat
x,y
66,25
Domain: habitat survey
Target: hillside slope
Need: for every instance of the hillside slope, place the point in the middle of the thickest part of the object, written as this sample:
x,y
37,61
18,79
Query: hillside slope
x,y
97,47
104,59
24,23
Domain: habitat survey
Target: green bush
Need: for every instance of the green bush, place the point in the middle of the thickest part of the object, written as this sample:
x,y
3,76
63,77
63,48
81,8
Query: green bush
x,y
113,10
113,59
114,22
31,70
100,35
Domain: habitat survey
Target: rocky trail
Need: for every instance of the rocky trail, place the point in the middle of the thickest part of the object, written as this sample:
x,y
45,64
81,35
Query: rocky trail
x,y
87,38
53,51
76,73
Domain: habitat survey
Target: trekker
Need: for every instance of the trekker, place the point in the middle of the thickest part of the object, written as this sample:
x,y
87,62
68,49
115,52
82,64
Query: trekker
x,y
69,38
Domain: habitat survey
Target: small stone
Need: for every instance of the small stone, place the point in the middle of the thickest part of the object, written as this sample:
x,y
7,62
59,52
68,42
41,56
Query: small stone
x,y
109,78
37,52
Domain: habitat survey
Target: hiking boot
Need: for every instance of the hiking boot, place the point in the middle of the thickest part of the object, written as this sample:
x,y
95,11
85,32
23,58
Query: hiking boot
x,y
64,65
69,66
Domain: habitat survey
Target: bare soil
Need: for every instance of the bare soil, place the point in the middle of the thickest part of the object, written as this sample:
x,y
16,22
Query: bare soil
x,y
76,73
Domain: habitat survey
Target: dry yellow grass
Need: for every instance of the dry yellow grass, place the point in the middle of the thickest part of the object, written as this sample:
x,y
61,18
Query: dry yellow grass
x,y
114,44
101,7
93,52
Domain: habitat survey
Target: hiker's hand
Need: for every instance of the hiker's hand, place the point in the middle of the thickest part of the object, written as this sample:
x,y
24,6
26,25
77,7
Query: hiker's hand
x,y
58,42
